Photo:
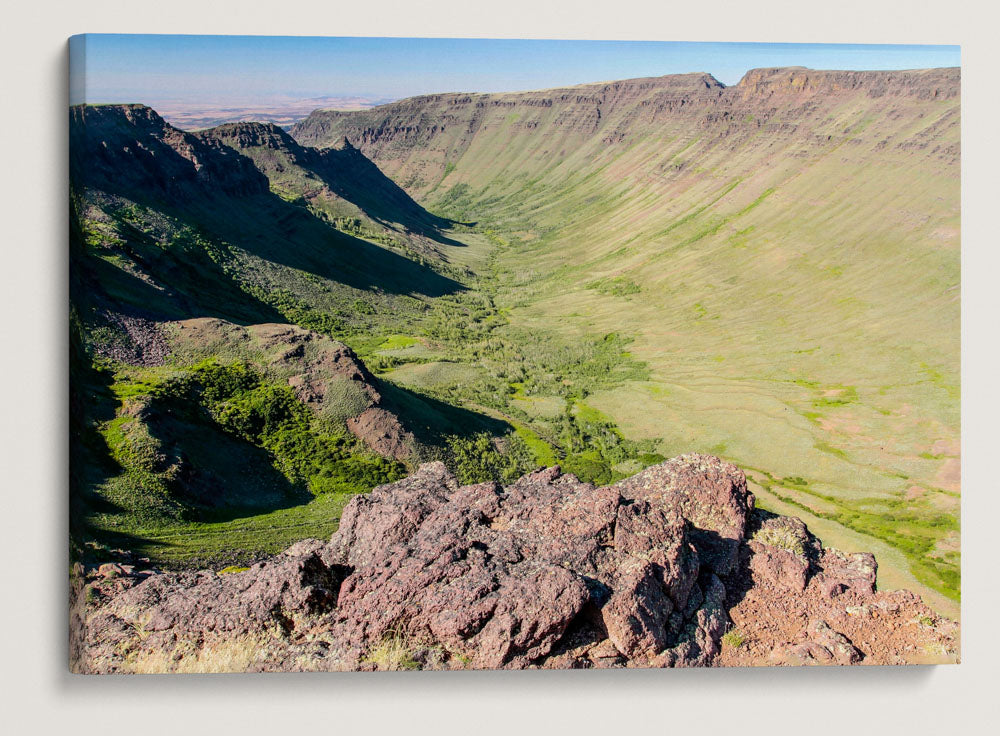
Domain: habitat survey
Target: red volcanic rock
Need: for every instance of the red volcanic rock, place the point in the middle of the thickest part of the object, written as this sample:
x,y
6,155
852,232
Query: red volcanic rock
x,y
659,536
558,519
780,567
373,524
262,595
823,645
706,491
842,572
546,572
636,617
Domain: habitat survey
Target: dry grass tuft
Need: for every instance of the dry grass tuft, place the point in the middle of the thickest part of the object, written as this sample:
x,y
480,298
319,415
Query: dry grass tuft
x,y
776,536
394,653
223,655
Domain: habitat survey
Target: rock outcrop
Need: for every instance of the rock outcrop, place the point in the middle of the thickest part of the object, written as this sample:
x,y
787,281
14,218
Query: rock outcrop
x,y
133,147
325,374
672,567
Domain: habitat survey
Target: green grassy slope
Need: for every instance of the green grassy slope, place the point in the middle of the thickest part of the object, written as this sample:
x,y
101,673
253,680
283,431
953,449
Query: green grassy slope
x,y
169,227
783,254
174,225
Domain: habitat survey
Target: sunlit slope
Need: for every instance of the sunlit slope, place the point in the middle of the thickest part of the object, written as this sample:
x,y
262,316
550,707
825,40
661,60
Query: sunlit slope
x,y
785,253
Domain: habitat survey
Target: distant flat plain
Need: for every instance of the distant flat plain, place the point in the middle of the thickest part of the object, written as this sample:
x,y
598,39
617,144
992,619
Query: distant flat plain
x,y
285,112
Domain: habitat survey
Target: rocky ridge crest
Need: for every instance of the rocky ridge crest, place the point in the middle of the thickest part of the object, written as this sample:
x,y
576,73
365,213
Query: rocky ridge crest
x,y
415,137
671,567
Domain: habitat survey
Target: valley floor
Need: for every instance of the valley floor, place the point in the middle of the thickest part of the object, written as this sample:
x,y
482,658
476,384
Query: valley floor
x,y
867,468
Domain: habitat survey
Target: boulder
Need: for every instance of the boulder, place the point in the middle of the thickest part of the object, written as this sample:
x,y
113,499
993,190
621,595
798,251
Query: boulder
x,y
779,567
659,535
709,493
840,572
636,617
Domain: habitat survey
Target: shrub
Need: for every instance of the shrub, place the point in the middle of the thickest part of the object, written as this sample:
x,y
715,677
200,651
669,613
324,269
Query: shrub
x,y
262,412
133,447
734,638
482,458
269,415
650,458
588,466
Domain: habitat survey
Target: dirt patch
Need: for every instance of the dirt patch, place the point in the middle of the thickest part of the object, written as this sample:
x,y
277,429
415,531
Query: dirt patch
x,y
949,447
949,476
383,432
887,628
844,424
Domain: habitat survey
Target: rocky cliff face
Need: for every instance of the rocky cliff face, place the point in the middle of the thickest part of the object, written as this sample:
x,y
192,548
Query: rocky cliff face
x,y
414,140
130,147
428,117
130,152
672,567
168,225
921,84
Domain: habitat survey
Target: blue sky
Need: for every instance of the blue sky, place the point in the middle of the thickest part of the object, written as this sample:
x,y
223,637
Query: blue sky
x,y
246,69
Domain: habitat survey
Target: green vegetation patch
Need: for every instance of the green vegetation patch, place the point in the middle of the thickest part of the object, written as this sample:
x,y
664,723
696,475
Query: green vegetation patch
x,y
734,638
617,286
344,399
214,443
398,342
235,542
837,396
270,416
482,458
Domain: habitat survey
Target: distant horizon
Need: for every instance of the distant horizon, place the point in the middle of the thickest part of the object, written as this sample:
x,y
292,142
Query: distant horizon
x,y
243,71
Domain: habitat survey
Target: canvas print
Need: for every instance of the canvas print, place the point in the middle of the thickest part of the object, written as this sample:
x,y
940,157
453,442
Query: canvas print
x,y
447,354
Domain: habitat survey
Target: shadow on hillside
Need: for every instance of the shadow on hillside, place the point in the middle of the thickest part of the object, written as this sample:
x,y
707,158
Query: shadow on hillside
x,y
263,225
90,462
432,420
226,196
214,476
195,285
353,176
289,234
219,477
